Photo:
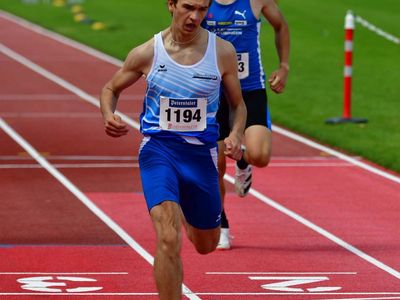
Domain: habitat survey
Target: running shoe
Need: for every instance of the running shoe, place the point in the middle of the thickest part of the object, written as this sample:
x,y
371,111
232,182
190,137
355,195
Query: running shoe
x,y
224,240
242,180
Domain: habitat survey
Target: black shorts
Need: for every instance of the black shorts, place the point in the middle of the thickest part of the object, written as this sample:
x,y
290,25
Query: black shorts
x,y
257,111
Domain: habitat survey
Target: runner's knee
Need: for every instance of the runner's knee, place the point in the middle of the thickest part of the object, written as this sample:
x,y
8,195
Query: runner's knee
x,y
258,157
170,241
205,248
205,244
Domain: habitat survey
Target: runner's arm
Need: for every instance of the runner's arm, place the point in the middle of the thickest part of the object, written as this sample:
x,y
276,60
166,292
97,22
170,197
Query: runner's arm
x,y
271,12
227,62
137,63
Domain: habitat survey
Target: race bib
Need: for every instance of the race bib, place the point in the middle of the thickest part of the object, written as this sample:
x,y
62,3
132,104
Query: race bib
x,y
243,65
183,114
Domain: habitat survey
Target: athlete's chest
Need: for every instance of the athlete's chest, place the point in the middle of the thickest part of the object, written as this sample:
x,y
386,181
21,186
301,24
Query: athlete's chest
x,y
186,56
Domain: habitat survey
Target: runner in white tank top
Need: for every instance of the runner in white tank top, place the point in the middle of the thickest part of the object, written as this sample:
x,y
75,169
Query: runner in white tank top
x,y
178,121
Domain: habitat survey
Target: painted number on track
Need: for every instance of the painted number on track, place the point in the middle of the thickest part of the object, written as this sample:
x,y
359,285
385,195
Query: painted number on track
x,y
292,283
58,284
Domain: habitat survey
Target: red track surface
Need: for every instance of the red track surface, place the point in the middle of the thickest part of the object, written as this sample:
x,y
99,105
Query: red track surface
x,y
46,231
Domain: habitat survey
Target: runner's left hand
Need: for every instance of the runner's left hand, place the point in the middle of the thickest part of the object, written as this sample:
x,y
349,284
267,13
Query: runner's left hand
x,y
233,147
277,80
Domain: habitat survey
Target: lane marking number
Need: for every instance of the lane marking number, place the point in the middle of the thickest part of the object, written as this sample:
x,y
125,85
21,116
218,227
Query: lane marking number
x,y
286,283
57,284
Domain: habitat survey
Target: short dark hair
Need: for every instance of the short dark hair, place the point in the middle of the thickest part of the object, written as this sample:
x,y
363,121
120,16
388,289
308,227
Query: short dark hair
x,y
176,1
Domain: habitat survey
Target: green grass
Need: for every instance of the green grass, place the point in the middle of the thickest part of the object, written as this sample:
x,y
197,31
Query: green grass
x,y
314,89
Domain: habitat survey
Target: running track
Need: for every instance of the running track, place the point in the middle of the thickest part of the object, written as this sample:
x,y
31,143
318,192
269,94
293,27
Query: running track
x,y
73,224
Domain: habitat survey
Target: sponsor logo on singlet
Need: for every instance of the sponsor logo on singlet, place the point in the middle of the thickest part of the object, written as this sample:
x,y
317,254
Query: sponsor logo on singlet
x,y
205,76
162,68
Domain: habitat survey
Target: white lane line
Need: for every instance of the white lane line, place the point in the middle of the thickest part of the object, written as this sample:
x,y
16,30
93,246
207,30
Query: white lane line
x,y
69,42
73,157
43,115
281,273
301,294
59,97
276,159
304,164
63,83
297,293
72,166
213,294
65,273
84,199
107,58
316,158
227,177
273,164
43,294
332,152
374,298
136,165
56,115
319,230
227,294
37,97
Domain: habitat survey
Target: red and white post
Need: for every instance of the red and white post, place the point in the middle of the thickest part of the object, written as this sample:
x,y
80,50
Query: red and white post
x,y
348,63
349,26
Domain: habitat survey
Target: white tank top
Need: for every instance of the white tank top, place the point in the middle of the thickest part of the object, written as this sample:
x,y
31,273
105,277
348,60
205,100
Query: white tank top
x,y
181,101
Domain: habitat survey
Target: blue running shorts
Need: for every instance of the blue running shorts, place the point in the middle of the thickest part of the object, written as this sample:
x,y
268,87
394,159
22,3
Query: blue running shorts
x,y
184,173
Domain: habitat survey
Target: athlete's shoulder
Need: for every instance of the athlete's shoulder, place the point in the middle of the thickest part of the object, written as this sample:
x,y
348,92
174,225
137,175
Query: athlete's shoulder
x,y
226,55
143,51
262,2
258,5
140,58
224,47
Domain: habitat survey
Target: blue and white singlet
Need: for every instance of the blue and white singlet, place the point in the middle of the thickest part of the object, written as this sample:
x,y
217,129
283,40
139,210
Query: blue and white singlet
x,y
181,101
237,24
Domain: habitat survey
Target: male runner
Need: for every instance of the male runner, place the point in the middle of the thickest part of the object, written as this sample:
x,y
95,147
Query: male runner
x,y
239,21
184,66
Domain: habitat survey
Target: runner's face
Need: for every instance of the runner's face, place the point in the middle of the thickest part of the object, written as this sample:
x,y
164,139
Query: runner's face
x,y
188,14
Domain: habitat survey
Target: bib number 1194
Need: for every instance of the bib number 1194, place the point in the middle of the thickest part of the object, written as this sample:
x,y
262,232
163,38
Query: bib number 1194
x,y
186,115
183,114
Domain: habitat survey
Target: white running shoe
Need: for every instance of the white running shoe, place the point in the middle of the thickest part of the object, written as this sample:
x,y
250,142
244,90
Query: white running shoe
x,y
242,180
224,240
